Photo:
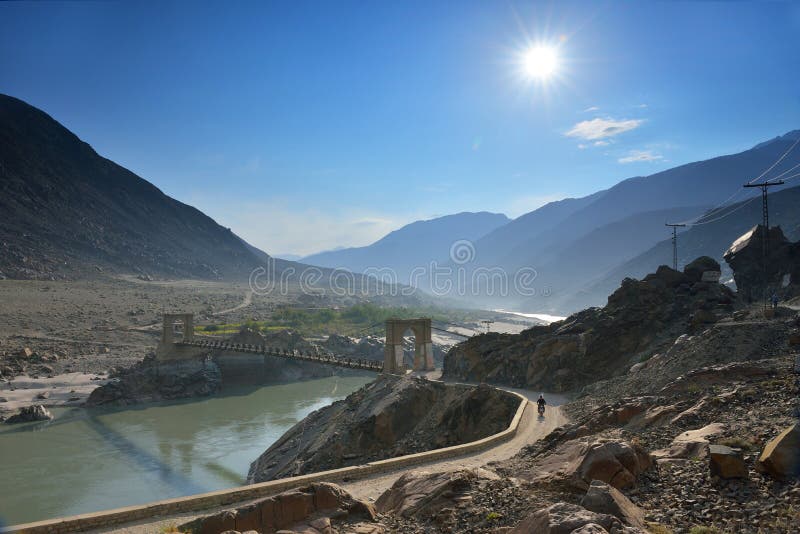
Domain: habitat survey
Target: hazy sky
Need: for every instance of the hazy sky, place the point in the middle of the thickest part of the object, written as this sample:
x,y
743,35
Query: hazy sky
x,y
309,125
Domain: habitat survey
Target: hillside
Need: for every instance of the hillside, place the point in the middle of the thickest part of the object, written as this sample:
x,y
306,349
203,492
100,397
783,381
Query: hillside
x,y
69,212
711,239
572,242
413,245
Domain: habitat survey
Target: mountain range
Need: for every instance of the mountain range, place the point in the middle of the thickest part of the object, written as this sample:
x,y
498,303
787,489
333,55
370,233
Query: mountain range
x,y
581,248
69,212
414,245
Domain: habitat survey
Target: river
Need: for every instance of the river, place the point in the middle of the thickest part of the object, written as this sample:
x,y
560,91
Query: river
x,y
90,460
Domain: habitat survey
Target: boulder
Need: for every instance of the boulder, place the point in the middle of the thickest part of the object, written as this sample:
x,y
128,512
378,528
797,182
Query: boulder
x,y
308,509
28,414
781,455
590,528
694,270
615,462
783,264
605,499
689,444
726,462
563,518
578,462
25,353
423,495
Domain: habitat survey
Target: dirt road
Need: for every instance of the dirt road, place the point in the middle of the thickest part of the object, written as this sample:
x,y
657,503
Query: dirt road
x,y
532,428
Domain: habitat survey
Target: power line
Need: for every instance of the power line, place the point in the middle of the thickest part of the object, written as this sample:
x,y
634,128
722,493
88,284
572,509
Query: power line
x,y
722,205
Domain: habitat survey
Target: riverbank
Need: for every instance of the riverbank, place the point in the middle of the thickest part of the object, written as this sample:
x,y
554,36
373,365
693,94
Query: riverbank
x,y
68,389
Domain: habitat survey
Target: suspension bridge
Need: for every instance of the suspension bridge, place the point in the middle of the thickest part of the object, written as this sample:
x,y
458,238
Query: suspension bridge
x,y
178,342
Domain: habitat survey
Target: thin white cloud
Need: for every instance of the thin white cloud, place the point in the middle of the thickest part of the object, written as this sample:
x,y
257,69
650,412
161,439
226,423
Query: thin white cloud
x,y
602,128
590,109
601,143
635,156
642,106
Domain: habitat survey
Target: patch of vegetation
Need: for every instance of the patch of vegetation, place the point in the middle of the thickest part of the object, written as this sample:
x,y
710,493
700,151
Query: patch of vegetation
x,y
704,530
172,528
694,388
749,443
357,320
493,516
657,528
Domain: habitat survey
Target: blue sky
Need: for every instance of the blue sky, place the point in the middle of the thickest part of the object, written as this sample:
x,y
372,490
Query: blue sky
x,y
309,125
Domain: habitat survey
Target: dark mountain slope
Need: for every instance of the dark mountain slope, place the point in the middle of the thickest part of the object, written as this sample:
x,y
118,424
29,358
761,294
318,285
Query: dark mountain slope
x,y
67,210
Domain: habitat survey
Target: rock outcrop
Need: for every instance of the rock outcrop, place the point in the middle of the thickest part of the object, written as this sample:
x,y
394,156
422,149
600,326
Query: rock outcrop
x,y
641,318
726,462
312,509
605,499
577,463
781,456
564,518
745,257
151,380
30,414
391,416
426,495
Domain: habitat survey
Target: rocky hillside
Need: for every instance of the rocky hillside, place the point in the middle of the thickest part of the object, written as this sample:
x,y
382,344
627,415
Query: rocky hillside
x,y
69,212
390,417
640,319
712,237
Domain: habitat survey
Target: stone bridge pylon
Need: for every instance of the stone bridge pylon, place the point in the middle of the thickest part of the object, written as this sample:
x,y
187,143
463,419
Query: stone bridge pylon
x,y
423,345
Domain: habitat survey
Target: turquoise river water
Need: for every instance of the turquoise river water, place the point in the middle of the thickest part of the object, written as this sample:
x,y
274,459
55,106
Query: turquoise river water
x,y
90,460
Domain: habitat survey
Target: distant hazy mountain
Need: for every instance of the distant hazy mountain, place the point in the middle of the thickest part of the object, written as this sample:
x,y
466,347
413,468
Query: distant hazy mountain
x,y
416,244
66,211
574,241
711,239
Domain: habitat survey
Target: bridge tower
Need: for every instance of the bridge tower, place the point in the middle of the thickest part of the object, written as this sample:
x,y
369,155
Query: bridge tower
x,y
176,327
423,346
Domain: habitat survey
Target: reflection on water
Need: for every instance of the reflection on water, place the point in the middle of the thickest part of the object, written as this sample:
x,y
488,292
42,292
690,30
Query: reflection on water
x,y
89,460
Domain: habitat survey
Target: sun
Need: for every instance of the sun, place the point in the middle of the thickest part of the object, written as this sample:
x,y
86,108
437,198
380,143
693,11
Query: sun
x,y
540,62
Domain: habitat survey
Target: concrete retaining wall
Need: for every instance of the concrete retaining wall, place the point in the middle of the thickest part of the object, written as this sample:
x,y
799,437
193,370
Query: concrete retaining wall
x,y
214,499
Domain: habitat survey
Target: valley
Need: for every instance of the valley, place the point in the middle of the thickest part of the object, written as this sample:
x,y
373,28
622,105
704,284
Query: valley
x,y
399,267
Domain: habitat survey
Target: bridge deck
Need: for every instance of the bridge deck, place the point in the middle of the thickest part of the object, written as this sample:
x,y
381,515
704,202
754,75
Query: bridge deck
x,y
309,356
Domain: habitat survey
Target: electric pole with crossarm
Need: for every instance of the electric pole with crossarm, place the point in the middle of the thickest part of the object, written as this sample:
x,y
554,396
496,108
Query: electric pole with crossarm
x,y
765,233
674,227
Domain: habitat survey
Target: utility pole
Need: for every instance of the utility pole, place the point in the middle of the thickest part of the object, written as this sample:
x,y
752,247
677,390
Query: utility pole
x,y
765,233
488,324
674,227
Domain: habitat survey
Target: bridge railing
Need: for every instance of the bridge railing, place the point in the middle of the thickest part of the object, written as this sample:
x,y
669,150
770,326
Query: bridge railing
x,y
309,355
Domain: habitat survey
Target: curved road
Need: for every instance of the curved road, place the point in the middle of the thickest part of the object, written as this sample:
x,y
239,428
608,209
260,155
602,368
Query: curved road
x,y
532,428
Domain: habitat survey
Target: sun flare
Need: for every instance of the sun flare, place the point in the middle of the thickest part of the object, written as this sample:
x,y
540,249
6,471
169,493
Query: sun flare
x,y
540,62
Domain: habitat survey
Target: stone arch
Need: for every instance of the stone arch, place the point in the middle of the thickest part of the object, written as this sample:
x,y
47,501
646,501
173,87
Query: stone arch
x,y
423,345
